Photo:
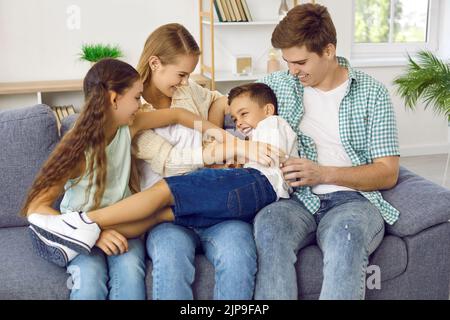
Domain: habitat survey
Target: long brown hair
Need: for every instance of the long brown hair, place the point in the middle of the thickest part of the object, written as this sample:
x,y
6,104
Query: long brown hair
x,y
306,24
167,42
86,141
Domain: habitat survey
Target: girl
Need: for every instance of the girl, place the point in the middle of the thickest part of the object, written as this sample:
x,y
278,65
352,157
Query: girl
x,y
91,167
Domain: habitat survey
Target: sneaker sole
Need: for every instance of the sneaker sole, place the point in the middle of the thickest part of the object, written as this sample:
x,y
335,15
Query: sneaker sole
x,y
49,253
73,244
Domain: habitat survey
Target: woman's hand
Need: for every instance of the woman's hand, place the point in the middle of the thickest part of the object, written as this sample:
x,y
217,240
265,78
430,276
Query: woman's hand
x,y
260,152
220,135
112,242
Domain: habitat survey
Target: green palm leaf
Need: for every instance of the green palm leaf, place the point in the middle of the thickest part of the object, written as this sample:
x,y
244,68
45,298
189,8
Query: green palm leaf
x,y
428,79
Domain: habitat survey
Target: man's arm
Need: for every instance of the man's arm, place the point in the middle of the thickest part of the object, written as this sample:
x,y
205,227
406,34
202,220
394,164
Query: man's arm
x,y
381,174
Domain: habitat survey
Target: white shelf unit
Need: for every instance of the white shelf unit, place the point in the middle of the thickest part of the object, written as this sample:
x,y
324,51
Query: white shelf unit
x,y
233,24
54,92
228,76
220,41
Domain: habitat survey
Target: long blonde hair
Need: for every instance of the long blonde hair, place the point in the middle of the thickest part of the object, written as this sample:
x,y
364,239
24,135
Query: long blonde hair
x,y
167,42
87,134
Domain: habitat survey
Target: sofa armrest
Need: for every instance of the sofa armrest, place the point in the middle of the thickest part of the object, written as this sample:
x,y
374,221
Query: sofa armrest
x,y
422,204
68,122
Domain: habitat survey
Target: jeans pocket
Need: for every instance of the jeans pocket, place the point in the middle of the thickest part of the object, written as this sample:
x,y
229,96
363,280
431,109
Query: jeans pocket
x,y
244,201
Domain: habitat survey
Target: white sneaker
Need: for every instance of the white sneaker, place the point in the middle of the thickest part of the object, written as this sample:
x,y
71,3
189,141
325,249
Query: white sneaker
x,y
51,251
69,229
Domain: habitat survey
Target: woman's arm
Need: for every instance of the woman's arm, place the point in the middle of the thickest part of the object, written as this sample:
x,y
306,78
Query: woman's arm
x,y
165,117
238,152
217,111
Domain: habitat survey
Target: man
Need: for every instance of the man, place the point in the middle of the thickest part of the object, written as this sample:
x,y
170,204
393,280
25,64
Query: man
x,y
346,126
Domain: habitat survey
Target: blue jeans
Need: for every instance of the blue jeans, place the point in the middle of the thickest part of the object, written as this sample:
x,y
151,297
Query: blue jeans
x,y
208,196
228,245
99,277
347,228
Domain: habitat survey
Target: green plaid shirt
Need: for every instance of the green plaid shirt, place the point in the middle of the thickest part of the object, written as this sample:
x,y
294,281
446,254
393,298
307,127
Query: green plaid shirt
x,y
367,127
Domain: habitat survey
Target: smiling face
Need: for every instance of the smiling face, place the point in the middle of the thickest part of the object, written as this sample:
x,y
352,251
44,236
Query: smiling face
x,y
247,113
167,78
127,104
310,68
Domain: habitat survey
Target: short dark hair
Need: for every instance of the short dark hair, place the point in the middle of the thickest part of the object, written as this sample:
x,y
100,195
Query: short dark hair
x,y
306,24
260,93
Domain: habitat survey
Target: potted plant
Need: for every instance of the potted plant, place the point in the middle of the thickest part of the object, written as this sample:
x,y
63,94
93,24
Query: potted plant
x,y
96,52
427,79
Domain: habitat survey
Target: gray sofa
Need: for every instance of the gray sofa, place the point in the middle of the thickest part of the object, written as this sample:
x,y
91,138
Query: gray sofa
x,y
414,257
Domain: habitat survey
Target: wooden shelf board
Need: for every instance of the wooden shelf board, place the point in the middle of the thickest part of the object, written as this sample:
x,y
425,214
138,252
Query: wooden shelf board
x,y
40,86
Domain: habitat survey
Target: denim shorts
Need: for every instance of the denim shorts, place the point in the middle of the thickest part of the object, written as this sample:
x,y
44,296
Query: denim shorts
x,y
208,196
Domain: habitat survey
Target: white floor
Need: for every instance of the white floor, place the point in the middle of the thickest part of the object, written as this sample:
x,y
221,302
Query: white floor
x,y
431,167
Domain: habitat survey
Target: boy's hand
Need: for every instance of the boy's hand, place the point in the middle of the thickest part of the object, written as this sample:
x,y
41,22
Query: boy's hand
x,y
112,242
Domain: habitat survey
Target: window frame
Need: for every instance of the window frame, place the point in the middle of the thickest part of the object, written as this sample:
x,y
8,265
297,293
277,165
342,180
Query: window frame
x,y
393,51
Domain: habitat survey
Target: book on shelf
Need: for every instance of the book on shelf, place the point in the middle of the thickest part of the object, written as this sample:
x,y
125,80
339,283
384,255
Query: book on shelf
x,y
236,10
241,10
246,10
225,10
219,10
230,10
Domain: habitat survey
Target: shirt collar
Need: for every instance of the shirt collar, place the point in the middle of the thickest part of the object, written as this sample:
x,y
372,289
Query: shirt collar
x,y
344,63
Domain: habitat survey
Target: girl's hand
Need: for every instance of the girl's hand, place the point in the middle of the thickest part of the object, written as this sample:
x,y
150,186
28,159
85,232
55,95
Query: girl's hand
x,y
112,242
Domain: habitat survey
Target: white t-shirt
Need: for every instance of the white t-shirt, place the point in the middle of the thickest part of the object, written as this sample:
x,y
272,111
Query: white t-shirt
x,y
276,131
181,138
321,123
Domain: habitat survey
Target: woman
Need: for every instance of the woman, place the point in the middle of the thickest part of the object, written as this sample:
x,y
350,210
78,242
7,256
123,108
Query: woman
x,y
169,56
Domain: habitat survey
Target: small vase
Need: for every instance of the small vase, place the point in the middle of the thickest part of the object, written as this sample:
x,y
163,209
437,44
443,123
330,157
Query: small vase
x,y
282,10
273,64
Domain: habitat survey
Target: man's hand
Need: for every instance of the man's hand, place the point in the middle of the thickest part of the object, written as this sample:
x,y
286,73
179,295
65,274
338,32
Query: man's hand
x,y
263,153
302,172
380,175
112,242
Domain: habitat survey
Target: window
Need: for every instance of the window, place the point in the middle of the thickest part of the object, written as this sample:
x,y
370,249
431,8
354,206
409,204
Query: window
x,y
391,28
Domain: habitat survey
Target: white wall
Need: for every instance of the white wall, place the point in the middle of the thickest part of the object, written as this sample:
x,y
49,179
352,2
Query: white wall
x,y
36,44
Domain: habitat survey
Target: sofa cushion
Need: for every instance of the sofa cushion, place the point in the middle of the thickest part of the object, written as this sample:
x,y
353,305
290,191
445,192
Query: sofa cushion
x,y
23,274
422,204
391,257
28,135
